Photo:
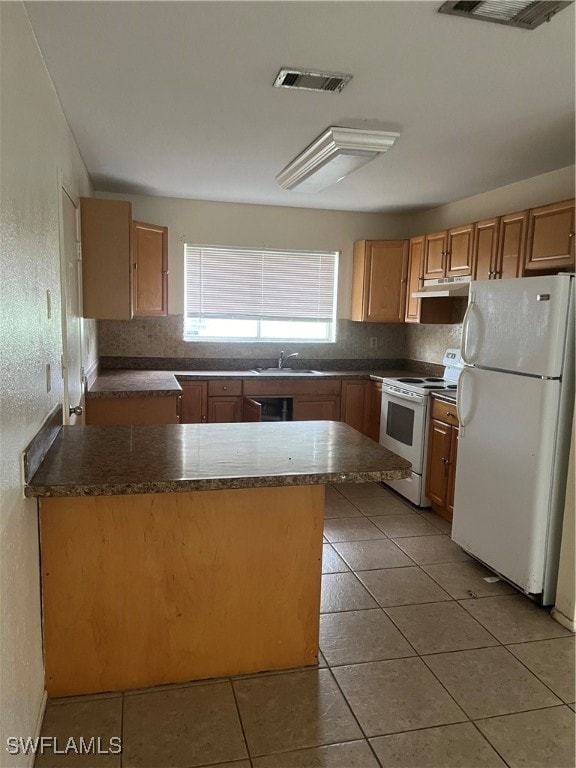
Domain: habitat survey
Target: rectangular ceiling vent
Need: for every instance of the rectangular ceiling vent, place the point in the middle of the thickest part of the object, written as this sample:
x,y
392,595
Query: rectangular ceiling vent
x,y
307,80
527,14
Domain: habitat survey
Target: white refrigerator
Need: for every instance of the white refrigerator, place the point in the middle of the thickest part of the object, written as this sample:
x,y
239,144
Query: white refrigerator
x,y
515,404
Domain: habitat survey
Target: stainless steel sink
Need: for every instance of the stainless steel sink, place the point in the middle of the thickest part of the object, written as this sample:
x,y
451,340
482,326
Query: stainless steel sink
x,y
286,372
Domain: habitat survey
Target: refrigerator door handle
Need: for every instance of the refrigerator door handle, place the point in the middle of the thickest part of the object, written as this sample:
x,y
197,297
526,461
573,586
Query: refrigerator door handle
x,y
459,391
466,330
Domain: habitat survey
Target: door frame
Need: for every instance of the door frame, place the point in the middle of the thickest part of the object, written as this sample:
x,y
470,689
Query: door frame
x,y
65,186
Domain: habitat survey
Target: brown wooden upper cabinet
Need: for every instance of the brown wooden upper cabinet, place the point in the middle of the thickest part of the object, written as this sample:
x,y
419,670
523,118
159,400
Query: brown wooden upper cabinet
x,y
550,240
106,227
485,249
415,266
150,270
111,245
449,253
511,245
379,280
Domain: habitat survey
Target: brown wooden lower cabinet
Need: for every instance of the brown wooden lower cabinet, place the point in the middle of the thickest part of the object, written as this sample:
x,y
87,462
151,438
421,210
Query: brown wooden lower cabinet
x,y
316,408
133,410
356,403
361,405
442,452
194,406
224,409
173,587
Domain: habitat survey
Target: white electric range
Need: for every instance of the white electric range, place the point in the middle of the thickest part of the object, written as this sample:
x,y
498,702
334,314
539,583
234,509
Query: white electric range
x,y
404,421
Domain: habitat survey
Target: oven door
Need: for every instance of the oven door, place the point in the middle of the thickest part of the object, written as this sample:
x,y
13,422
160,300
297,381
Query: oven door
x,y
403,425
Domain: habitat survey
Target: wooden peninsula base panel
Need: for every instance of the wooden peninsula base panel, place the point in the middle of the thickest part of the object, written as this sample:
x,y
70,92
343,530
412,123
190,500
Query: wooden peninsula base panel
x,y
146,589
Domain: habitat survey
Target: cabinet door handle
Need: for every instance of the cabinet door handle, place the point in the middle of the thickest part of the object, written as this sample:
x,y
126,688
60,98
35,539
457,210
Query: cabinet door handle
x,y
224,388
572,234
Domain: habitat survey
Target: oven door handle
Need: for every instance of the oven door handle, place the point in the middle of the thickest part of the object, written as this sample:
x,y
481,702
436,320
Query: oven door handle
x,y
416,400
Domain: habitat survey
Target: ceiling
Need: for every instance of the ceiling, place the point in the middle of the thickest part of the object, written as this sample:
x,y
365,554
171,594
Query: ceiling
x,y
176,98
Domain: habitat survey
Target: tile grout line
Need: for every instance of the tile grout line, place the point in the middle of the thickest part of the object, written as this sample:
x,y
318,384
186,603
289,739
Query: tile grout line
x,y
537,676
487,740
248,752
418,656
366,739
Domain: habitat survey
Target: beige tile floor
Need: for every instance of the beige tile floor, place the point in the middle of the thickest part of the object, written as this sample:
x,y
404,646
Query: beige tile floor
x,y
424,664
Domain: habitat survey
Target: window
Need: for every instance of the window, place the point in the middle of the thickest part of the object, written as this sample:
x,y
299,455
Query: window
x,y
246,294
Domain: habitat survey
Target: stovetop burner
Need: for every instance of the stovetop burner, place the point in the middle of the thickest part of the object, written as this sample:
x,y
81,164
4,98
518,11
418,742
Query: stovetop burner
x,y
423,385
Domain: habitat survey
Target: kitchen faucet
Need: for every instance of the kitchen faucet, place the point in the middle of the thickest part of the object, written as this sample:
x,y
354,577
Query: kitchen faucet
x,y
283,358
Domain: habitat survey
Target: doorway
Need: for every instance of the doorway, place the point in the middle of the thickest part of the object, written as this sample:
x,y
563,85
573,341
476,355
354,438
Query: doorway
x,y
71,289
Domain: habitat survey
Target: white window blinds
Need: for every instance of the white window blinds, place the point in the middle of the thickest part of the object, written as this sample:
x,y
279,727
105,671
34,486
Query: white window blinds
x,y
260,284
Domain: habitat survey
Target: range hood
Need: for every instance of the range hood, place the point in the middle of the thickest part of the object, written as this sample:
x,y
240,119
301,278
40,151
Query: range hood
x,y
442,287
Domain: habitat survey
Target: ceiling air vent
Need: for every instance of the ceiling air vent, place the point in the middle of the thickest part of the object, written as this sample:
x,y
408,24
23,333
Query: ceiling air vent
x,y
307,80
527,14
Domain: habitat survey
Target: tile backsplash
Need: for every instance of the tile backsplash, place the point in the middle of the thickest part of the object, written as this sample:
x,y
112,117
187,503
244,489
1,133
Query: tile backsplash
x,y
429,342
144,338
162,337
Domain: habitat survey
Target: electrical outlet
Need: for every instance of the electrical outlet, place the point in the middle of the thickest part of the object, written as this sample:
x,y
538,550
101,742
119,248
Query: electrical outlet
x,y
373,342
48,377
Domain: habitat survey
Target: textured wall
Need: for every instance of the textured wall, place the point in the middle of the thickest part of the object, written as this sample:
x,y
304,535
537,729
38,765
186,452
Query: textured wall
x,y
162,337
35,144
540,190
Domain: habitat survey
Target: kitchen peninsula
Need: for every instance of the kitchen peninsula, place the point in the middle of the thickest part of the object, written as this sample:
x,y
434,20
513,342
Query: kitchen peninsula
x,y
182,552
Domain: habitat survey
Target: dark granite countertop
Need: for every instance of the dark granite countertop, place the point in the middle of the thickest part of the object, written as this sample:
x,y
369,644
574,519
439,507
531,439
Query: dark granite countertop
x,y
134,384
138,383
114,460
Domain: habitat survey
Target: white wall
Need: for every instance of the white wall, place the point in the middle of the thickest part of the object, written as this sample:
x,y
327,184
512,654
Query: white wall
x,y
565,608
35,142
547,188
210,223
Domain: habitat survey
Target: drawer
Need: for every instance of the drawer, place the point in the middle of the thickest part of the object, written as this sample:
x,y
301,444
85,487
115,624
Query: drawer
x,y
224,387
291,386
445,412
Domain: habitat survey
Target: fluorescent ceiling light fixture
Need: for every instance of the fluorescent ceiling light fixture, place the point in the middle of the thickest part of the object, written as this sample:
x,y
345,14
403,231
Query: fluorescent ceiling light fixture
x,y
335,153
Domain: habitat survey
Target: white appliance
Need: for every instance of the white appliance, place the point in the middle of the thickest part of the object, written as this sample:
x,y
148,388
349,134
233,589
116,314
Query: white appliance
x,y
404,421
515,405
443,286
